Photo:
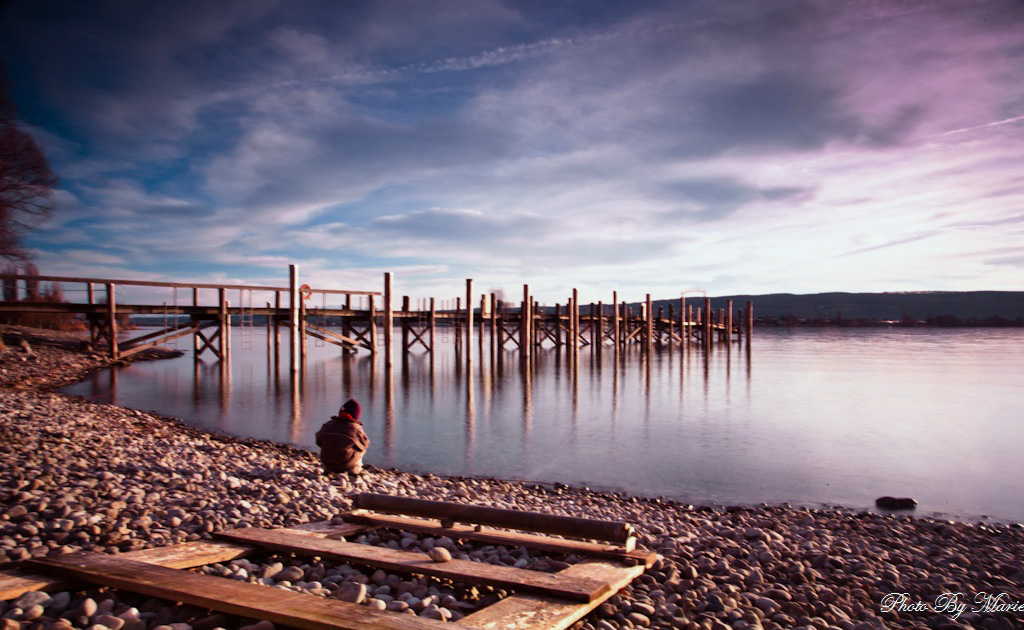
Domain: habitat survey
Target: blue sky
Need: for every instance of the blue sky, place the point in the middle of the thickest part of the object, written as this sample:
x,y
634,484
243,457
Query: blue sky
x,y
736,147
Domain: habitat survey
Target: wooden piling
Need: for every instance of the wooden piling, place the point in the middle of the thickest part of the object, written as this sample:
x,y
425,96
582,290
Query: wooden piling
x,y
558,327
389,321
615,320
346,321
707,321
303,339
277,322
495,341
689,326
600,327
721,324
222,315
649,315
112,321
525,348
433,326
575,322
373,327
293,315
728,321
405,324
469,320
682,322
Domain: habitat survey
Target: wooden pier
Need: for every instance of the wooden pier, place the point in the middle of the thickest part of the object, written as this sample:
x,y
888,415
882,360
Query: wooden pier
x,y
525,326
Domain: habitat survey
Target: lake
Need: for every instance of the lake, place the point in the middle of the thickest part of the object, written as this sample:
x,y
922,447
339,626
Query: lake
x,y
808,416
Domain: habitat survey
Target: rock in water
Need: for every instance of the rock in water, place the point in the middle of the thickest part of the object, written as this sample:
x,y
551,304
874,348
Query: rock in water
x,y
440,554
896,503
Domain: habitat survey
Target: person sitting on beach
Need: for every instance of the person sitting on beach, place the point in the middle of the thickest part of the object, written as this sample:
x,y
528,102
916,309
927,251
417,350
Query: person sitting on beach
x,y
342,441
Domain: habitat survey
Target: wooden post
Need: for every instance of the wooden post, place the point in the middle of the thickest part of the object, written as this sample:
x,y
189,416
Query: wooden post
x,y
293,315
268,329
373,327
721,323
689,326
707,321
303,339
469,320
433,326
741,318
112,321
389,321
536,329
615,318
457,323
524,324
728,321
222,315
346,322
277,322
649,342
92,316
558,327
227,328
484,316
682,322
575,315
405,324
659,327
750,322
494,323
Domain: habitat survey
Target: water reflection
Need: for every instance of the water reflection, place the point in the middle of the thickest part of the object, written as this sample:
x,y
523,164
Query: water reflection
x,y
889,402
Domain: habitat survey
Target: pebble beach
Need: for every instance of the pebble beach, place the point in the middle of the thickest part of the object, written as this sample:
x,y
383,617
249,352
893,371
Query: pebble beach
x,y
80,476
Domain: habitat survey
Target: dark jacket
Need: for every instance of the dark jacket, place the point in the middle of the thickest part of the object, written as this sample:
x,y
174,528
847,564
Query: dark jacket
x,y
342,443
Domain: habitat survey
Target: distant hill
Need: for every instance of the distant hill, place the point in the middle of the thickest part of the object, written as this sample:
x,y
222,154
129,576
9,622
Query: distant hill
x,y
923,306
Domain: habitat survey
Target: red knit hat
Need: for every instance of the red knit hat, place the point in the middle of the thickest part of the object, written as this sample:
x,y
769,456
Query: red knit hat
x,y
350,408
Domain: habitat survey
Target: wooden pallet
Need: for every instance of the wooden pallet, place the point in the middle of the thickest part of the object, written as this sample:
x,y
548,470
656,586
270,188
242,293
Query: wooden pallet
x,y
538,600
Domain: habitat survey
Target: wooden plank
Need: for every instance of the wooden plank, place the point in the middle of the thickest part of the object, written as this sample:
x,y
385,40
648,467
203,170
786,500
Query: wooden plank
x,y
420,564
280,606
13,583
513,539
524,612
615,531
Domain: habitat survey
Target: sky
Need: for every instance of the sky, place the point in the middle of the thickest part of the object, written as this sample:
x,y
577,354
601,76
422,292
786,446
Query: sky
x,y
741,147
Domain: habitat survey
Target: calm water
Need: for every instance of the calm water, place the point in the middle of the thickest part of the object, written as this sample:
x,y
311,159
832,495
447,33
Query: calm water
x,y
809,416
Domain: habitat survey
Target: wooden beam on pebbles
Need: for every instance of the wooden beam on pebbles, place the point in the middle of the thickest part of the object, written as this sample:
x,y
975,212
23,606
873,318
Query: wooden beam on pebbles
x,y
298,610
14,582
579,589
614,531
522,612
516,539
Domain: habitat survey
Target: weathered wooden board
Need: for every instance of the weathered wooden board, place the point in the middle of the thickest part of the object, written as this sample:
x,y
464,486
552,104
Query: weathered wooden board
x,y
569,587
495,537
14,582
283,607
526,612
615,531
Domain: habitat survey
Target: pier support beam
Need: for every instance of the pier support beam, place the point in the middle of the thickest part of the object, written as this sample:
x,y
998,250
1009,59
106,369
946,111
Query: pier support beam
x,y
112,321
293,315
389,321
615,320
649,315
525,347
469,320
707,322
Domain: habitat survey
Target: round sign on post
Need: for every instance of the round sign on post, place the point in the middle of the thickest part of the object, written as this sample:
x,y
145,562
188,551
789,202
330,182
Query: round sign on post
x,y
306,291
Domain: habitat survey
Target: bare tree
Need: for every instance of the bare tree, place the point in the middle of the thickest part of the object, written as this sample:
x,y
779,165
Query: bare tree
x,y
26,180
